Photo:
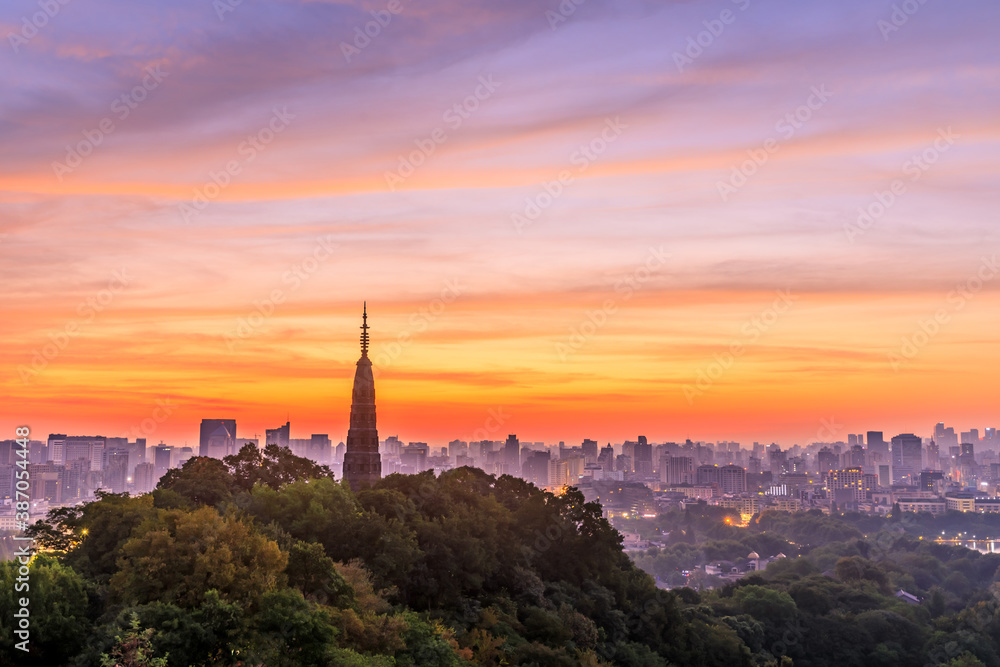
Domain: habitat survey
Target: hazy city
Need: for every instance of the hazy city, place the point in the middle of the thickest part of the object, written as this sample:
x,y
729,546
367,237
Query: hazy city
x,y
535,333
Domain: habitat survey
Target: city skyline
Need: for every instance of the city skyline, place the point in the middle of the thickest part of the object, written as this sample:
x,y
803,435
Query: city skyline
x,y
602,245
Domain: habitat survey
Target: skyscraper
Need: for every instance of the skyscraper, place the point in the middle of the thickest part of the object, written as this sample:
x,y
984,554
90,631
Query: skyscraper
x,y
945,436
907,458
642,460
217,438
733,479
362,462
512,455
161,460
282,435
116,469
877,445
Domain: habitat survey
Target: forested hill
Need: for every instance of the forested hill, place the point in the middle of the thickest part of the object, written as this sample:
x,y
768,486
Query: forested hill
x,y
262,559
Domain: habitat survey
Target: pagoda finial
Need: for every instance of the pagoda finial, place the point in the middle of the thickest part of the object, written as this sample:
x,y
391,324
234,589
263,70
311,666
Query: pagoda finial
x,y
364,331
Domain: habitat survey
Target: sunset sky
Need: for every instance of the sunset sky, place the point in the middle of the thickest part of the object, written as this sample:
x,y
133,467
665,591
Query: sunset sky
x,y
603,306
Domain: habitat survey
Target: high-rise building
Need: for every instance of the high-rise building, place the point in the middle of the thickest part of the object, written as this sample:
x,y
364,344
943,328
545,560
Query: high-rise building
x,y
877,445
362,461
854,457
144,478
320,448
907,458
57,447
849,485
217,438
559,473
136,454
574,469
677,470
732,479
281,436
708,474
63,448
8,492
589,451
778,459
161,460
457,448
826,460
642,457
606,459
536,468
116,469
971,436
628,451
512,456
413,457
945,437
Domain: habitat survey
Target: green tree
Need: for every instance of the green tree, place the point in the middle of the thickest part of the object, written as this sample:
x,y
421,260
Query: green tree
x,y
273,466
180,556
57,604
134,649
202,480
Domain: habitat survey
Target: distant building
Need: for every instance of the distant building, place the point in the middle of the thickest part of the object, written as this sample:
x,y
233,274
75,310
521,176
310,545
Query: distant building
x,y
878,446
144,478
512,456
413,457
116,470
362,460
930,505
907,458
642,461
849,485
161,460
733,479
677,470
960,502
217,438
279,436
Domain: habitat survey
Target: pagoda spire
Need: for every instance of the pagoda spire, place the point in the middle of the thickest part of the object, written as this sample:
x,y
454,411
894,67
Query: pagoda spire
x,y
364,331
362,462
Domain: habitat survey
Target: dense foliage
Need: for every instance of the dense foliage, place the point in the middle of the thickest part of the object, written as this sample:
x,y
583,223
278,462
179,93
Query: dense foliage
x,y
263,559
